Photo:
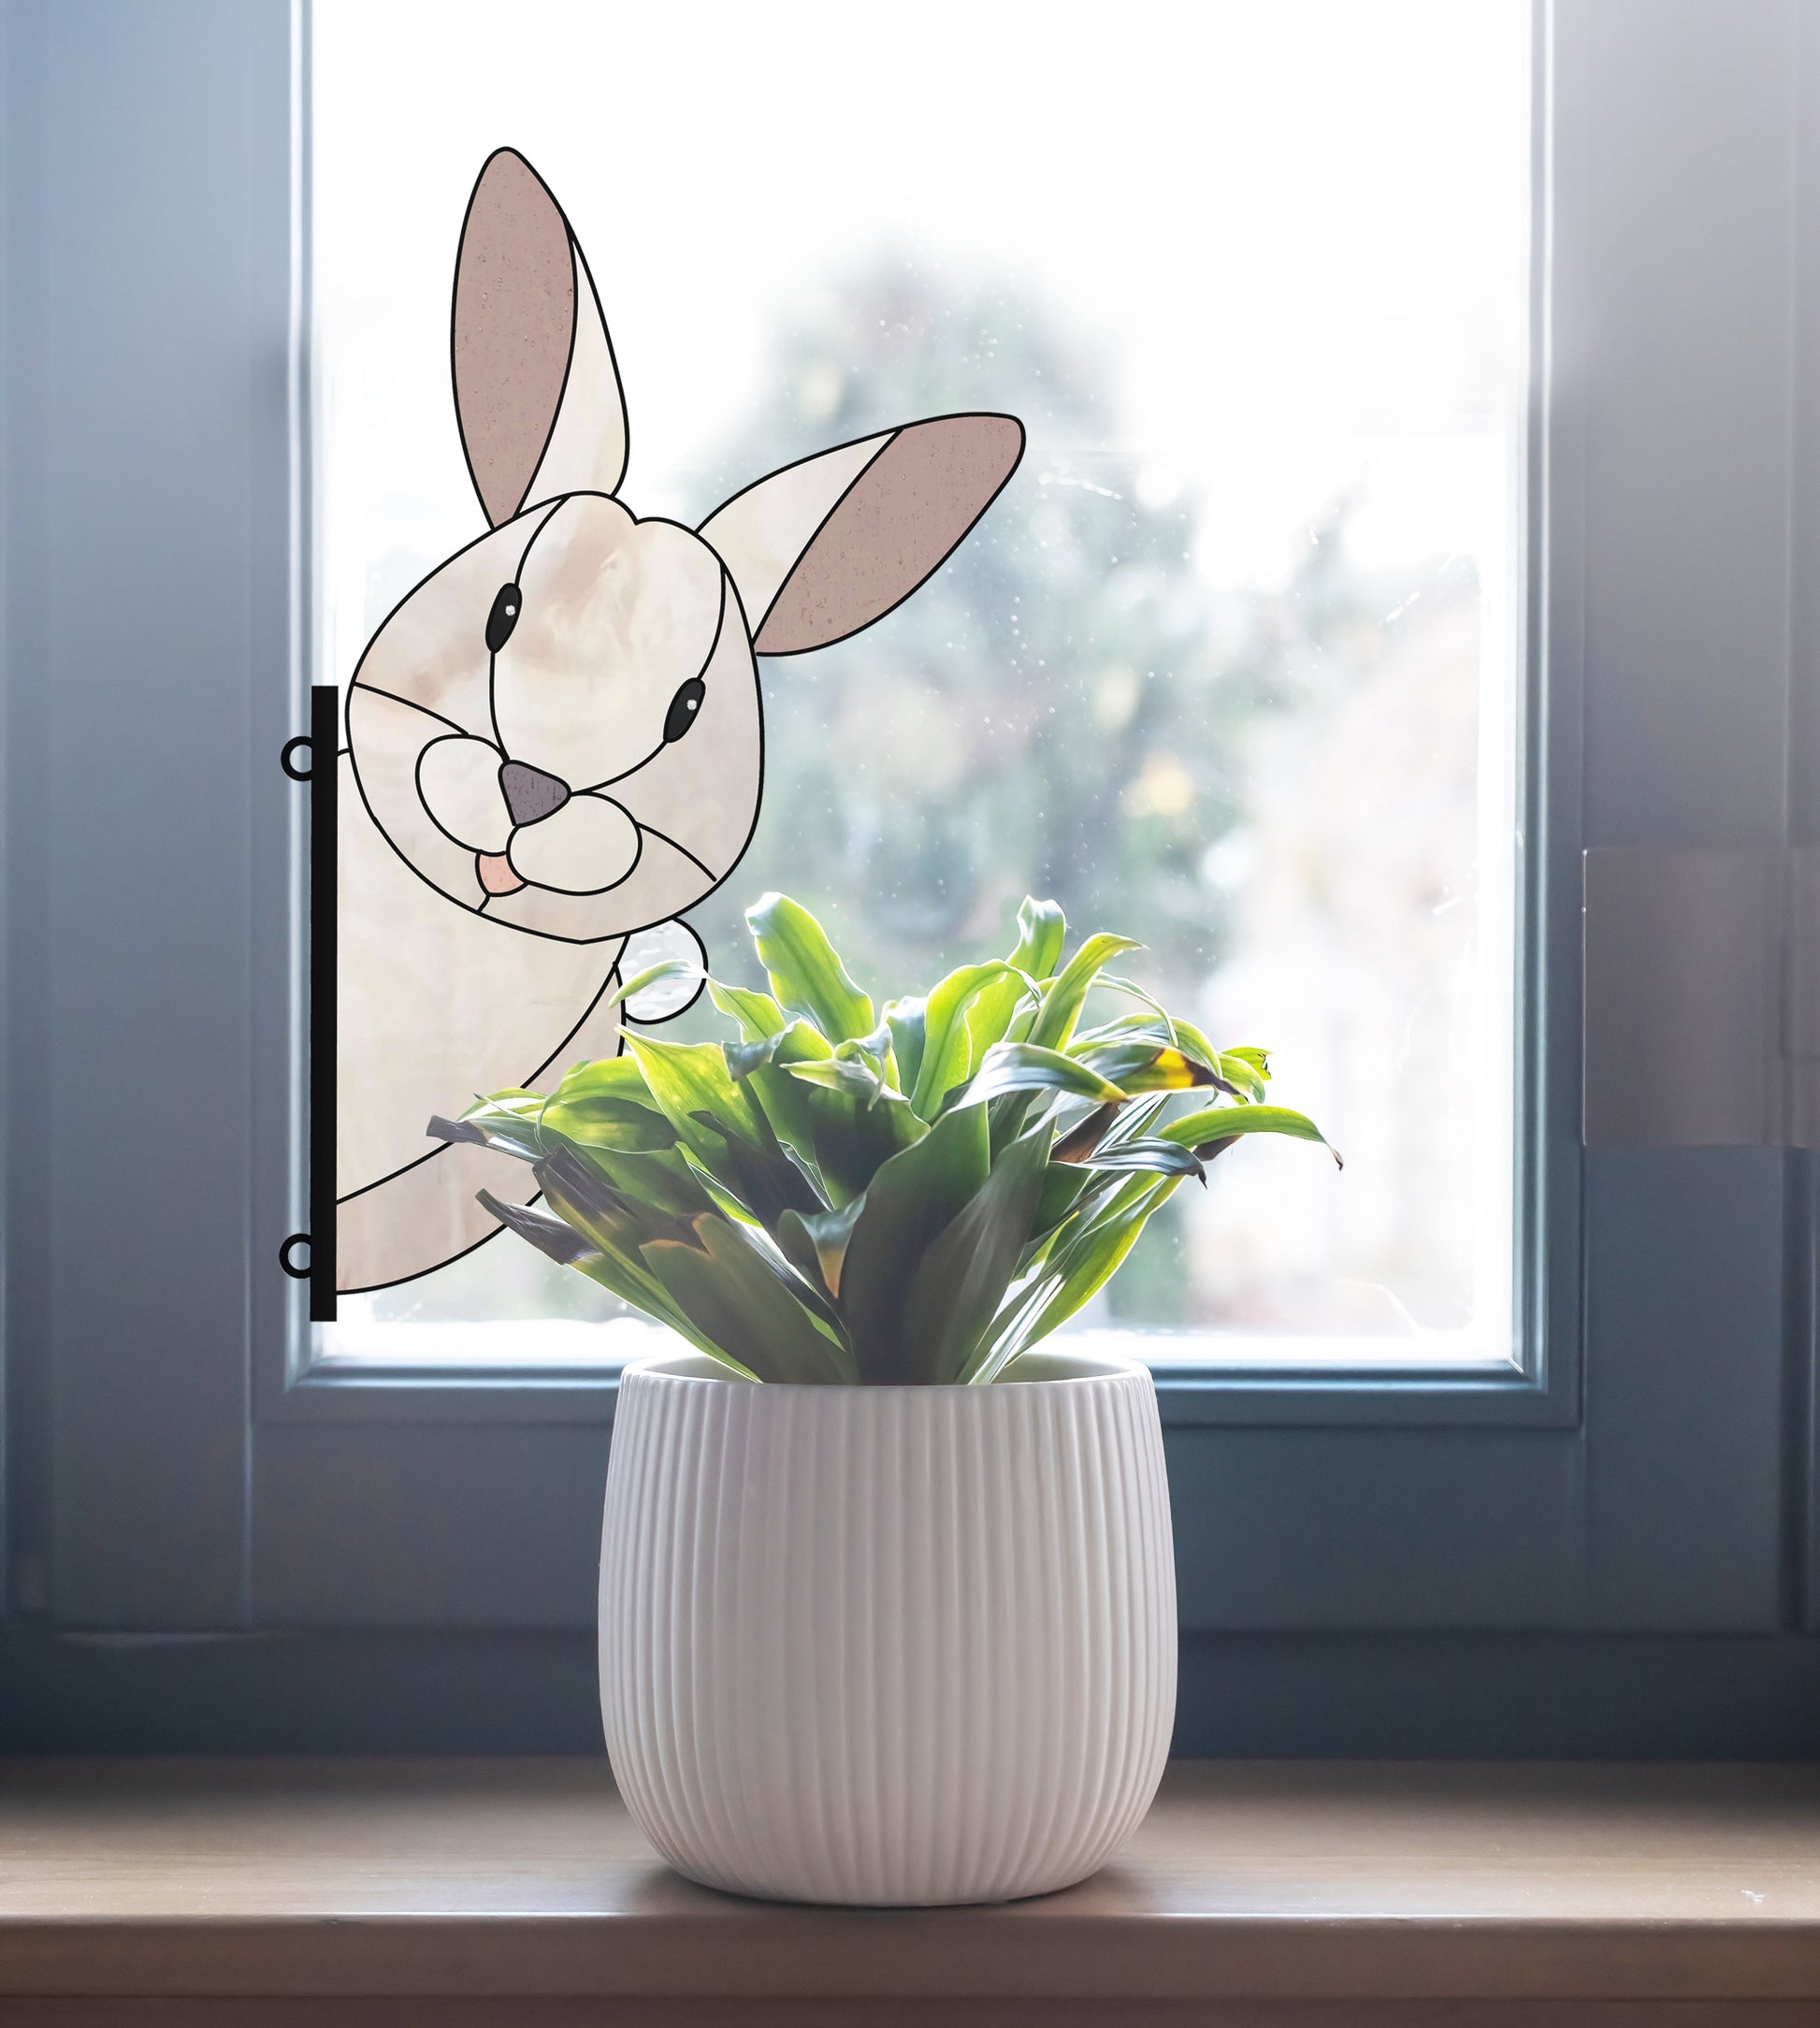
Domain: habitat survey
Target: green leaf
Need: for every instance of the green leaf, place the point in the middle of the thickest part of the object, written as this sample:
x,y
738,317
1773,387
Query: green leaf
x,y
1146,1065
789,1106
1064,1183
1063,995
947,1054
691,1082
594,1120
907,1019
659,1179
1086,1182
854,1138
506,1122
1237,1070
1147,1151
804,1285
743,1058
1001,1012
736,1302
1108,1124
1041,930
1005,1009
763,1180
839,1136
643,1291
1135,1118
1080,1141
957,1291
1023,1066
719,1198
554,1237
1242,1077
613,1230
609,1219
596,1107
846,1074
806,977
664,968
1166,1020
796,1042
607,1123
875,1051
757,1014
1210,1129
1077,1269
608,1079
912,1198
816,1241
1256,1061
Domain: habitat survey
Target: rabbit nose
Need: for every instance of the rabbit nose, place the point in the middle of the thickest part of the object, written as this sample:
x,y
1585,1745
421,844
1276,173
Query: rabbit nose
x,y
531,795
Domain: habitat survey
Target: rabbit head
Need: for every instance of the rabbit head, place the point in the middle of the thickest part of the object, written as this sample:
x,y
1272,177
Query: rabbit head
x,y
560,729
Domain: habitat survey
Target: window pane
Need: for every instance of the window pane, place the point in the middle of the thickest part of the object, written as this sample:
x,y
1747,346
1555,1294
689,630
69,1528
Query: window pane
x,y
1231,665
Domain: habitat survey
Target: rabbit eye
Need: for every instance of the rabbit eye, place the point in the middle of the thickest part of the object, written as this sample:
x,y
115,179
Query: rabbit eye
x,y
503,618
683,708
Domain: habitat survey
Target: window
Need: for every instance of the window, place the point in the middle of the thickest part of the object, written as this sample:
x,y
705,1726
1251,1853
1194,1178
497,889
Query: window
x,y
1234,665
1601,556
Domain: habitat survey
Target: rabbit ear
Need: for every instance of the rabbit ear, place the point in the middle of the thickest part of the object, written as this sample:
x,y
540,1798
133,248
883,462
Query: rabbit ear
x,y
826,547
536,385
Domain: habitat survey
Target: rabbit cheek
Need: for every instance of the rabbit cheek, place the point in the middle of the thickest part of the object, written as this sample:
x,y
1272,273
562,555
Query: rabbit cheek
x,y
701,791
588,846
387,739
459,780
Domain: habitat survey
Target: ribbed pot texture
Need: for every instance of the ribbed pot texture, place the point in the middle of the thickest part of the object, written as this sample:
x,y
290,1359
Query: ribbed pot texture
x,y
888,1645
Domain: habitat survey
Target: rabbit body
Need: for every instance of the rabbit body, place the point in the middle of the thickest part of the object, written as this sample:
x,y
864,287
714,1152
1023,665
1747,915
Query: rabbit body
x,y
423,1022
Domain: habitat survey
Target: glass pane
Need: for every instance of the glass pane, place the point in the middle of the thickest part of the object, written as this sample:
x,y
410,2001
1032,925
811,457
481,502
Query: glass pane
x,y
1232,665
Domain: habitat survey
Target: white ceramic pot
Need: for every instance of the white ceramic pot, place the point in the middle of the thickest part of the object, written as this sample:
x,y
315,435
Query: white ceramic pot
x,y
888,1644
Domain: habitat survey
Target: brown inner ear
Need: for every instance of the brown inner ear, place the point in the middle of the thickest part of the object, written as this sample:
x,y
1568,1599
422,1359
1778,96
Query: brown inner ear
x,y
896,524
514,320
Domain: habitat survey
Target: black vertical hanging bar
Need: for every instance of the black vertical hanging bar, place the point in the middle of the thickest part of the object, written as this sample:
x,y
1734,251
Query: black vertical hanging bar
x,y
324,738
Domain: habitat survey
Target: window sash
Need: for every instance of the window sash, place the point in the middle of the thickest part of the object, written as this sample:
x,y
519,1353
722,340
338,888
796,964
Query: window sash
x,y
171,1467
1355,1368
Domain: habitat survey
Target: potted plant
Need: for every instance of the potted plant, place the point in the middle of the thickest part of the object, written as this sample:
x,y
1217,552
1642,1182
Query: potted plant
x,y
896,1624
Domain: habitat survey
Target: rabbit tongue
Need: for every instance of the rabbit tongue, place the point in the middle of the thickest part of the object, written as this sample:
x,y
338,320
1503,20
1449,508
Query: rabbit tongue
x,y
494,870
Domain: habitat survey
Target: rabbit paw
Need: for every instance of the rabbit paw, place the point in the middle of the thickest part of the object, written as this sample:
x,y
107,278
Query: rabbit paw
x,y
664,998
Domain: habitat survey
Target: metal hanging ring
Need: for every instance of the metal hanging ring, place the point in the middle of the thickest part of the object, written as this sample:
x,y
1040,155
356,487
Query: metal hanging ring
x,y
287,1259
291,746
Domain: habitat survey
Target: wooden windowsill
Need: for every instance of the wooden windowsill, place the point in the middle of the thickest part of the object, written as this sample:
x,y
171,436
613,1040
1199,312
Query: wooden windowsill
x,y
463,1892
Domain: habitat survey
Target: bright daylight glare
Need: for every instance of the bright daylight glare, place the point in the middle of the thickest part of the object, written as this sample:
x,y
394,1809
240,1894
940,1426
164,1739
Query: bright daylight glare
x,y
1234,665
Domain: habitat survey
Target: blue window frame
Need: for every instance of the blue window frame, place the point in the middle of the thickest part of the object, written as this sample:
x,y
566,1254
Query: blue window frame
x,y
175,1463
